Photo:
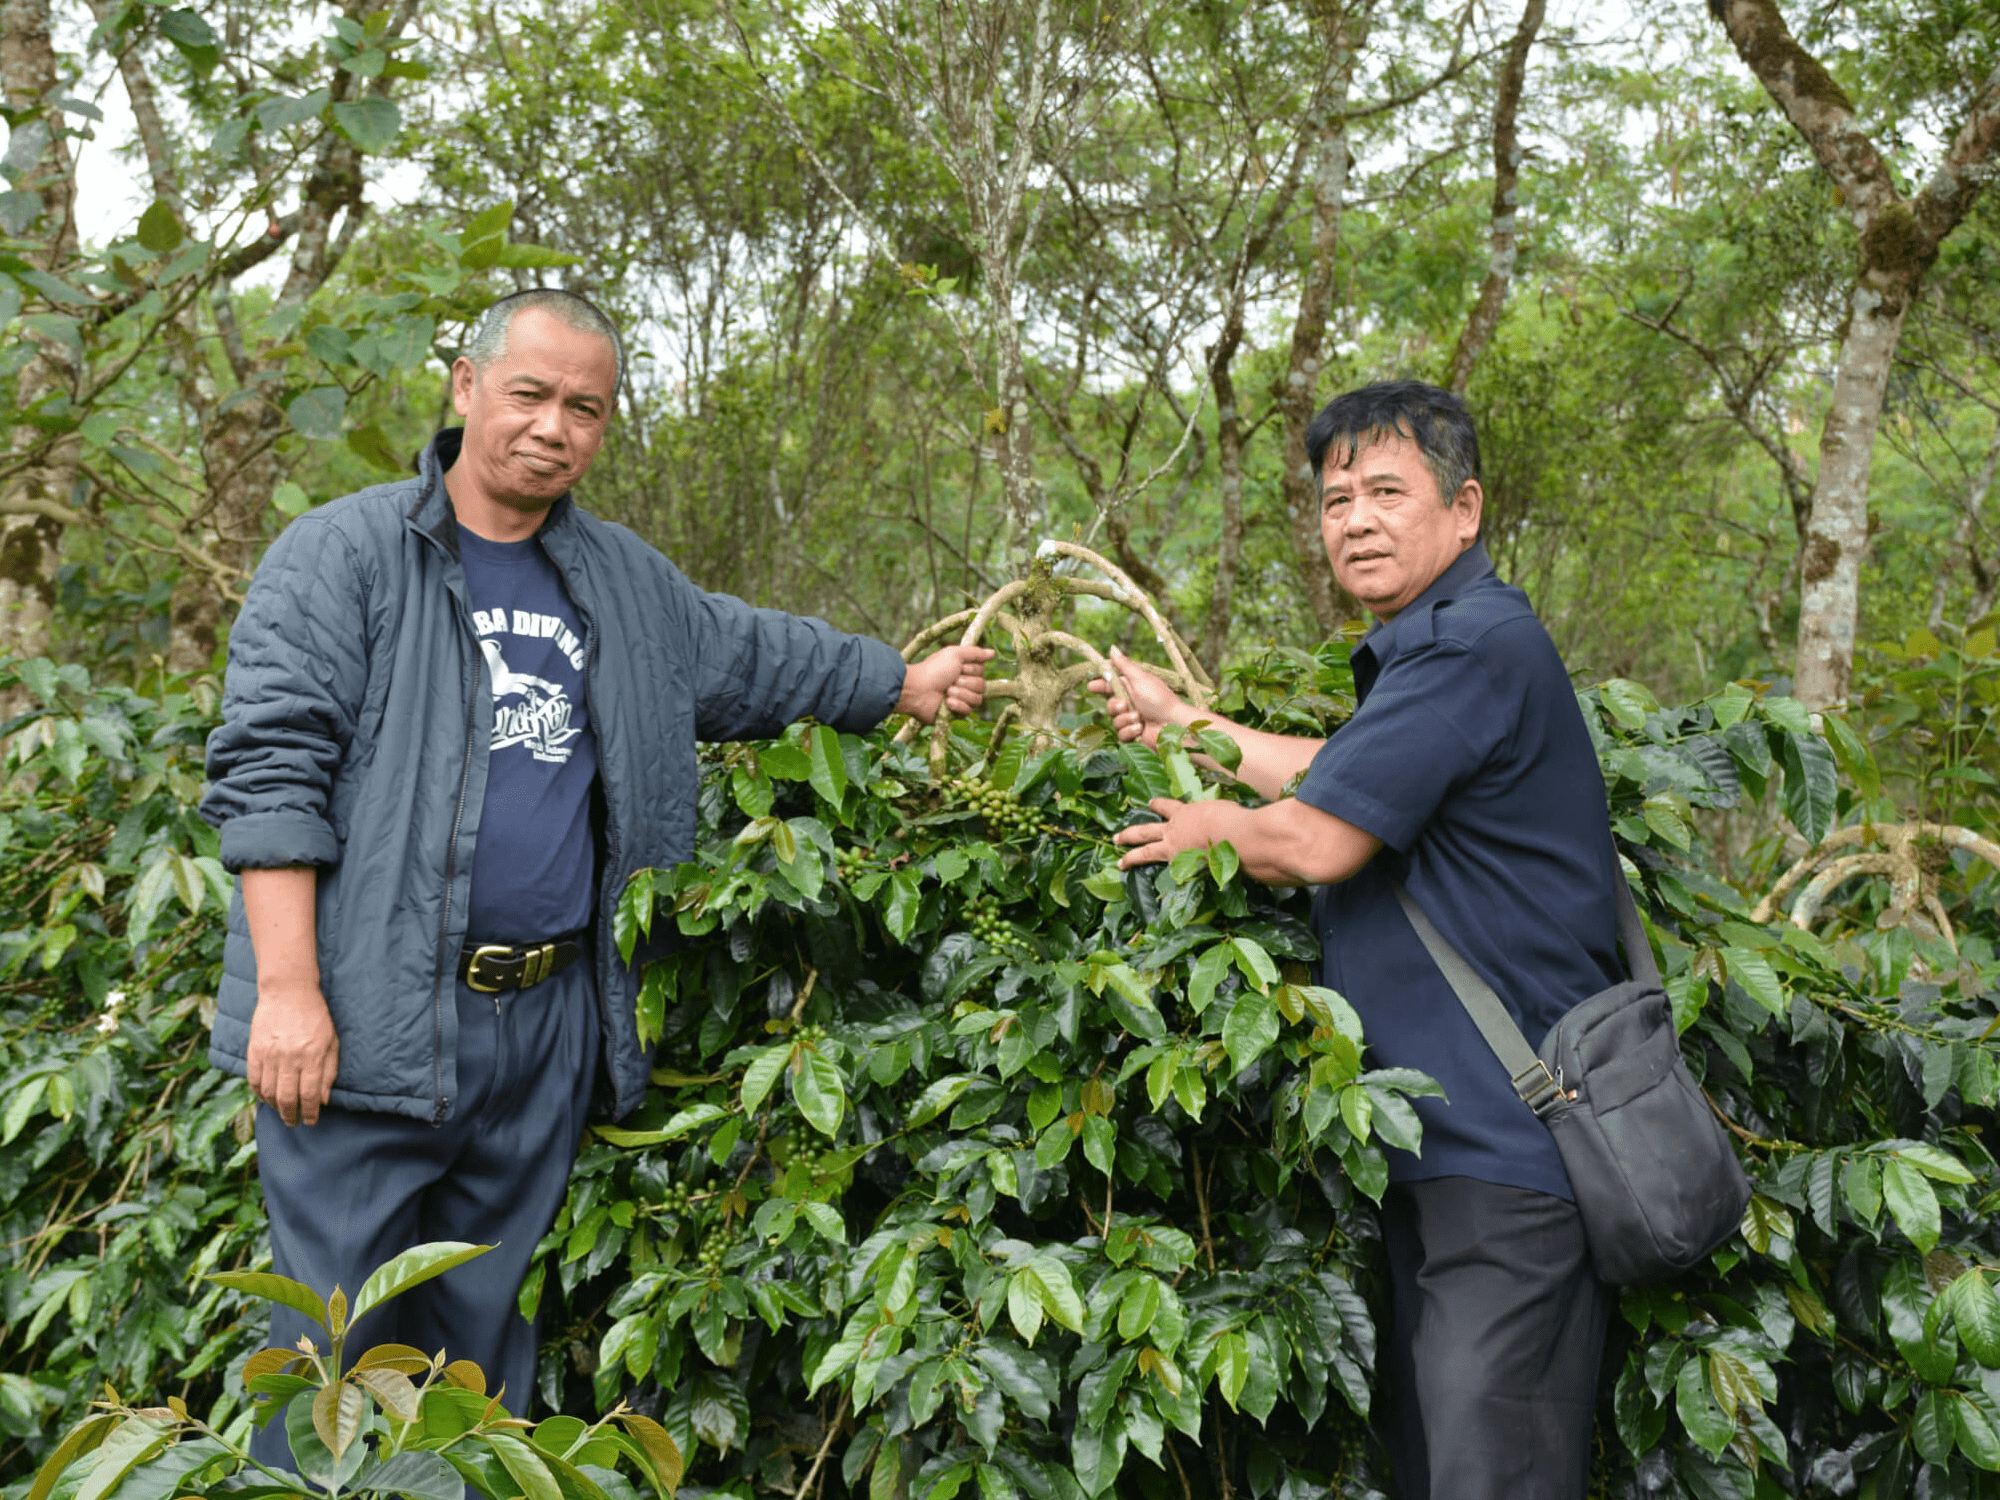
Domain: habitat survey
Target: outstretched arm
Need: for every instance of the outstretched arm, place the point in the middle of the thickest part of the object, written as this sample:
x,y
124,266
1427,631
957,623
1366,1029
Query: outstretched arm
x,y
1270,761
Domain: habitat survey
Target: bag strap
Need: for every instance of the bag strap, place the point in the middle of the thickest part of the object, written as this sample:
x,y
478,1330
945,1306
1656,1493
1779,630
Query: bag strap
x,y
1539,1089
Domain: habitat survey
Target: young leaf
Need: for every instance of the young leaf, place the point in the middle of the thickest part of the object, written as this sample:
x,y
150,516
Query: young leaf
x,y
413,1267
1704,1421
661,1450
338,1411
273,1288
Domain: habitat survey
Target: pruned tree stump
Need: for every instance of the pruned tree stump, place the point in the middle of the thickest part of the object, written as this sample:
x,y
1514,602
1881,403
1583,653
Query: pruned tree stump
x,y
1913,888
1045,676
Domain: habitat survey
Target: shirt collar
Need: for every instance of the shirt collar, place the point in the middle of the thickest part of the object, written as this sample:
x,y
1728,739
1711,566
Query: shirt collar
x,y
1387,637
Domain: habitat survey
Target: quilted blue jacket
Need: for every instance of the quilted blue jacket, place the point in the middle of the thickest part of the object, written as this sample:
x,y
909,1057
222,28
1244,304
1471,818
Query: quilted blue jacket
x,y
355,723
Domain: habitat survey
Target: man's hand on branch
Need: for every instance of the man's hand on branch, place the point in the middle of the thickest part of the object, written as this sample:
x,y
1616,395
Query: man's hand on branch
x,y
1181,825
953,678
294,1051
1285,842
1148,703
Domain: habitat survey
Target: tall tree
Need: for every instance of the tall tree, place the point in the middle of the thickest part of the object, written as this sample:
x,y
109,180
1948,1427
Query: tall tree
x,y
1343,33
1900,236
35,496
1504,247
160,413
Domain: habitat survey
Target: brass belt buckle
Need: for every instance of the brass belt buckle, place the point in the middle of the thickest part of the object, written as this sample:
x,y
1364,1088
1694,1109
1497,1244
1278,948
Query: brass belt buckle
x,y
479,956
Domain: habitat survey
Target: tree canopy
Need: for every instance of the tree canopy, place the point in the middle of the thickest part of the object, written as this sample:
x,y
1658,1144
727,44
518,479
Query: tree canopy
x,y
913,289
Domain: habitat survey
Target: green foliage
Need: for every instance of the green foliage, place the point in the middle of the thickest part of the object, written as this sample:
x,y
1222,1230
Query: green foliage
x,y
973,1163
393,1422
1932,716
1021,1162
125,1163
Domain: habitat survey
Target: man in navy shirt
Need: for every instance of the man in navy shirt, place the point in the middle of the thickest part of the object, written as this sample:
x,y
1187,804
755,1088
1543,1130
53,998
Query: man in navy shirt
x,y
460,712
1467,775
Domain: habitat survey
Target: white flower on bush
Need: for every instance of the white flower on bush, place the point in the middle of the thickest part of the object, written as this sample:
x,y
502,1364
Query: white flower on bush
x,y
107,1020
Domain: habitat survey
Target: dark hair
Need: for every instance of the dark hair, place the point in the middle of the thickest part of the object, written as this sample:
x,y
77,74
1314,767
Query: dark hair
x,y
1428,415
488,339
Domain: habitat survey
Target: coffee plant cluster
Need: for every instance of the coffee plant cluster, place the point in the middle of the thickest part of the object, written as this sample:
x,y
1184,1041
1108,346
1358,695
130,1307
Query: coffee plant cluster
x,y
977,1167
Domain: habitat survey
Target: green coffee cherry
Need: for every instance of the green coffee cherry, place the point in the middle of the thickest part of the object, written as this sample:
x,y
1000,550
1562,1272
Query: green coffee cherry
x,y
984,919
1000,807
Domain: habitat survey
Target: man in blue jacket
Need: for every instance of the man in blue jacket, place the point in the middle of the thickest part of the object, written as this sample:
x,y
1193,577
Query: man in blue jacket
x,y
1466,775
460,712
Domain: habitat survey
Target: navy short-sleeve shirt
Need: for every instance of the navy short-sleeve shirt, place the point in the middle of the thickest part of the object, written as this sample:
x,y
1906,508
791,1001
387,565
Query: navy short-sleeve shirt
x,y
1468,758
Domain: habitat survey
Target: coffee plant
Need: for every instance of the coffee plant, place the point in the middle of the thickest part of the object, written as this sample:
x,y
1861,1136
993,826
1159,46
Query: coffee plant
x,y
974,1165
126,1164
392,1421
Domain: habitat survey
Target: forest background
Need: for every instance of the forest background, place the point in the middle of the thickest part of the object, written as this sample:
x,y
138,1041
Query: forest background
x,y
910,289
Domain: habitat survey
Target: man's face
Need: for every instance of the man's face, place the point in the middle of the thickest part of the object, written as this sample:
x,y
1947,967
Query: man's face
x,y
1388,534
534,418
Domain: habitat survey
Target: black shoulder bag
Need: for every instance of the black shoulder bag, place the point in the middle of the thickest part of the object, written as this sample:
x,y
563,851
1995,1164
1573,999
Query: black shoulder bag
x,y
1654,1176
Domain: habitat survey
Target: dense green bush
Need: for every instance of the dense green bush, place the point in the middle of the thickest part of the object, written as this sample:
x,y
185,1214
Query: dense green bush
x,y
973,1163
126,1164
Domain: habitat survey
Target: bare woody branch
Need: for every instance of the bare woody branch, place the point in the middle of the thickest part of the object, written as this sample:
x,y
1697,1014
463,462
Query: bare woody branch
x,y
1505,237
1816,105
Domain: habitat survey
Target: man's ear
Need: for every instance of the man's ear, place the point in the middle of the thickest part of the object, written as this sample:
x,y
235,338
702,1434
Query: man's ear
x,y
463,375
1467,505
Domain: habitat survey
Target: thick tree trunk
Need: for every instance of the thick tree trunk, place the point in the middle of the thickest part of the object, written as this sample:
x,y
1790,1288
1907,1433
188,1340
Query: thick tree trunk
x,y
1344,31
1899,242
239,448
1229,462
1837,532
1008,423
32,501
1504,245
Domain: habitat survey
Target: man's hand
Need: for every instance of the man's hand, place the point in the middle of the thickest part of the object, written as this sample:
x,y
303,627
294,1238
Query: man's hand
x,y
954,678
294,1051
1285,842
1148,702
1182,825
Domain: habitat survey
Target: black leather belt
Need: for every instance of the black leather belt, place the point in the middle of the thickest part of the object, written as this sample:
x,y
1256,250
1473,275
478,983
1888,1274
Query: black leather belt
x,y
493,967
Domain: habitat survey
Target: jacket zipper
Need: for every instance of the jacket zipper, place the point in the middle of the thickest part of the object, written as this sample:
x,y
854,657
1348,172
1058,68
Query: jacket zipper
x,y
444,921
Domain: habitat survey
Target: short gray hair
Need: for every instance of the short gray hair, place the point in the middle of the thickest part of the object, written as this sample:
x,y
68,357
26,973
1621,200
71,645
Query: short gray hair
x,y
488,340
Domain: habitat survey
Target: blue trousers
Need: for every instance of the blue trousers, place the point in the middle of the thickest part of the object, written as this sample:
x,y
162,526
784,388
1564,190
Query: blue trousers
x,y
354,1190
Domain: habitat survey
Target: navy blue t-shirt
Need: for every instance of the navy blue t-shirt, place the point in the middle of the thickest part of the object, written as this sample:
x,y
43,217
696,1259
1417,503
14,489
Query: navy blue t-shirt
x,y
1468,758
533,863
